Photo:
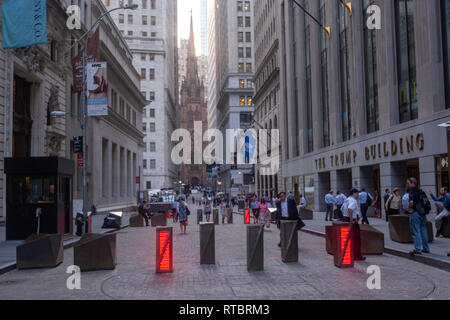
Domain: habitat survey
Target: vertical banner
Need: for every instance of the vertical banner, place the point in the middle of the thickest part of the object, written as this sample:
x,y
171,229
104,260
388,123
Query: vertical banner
x,y
24,23
97,89
93,54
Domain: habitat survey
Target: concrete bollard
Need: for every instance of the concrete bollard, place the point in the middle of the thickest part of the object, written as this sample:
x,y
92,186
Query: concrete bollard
x,y
289,241
216,216
164,249
255,248
207,243
199,216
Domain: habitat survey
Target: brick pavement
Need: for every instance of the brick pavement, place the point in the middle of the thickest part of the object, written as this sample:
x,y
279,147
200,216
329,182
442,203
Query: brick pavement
x,y
313,277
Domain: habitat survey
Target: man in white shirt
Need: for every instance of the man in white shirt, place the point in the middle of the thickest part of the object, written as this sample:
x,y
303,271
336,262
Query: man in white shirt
x,y
303,202
352,214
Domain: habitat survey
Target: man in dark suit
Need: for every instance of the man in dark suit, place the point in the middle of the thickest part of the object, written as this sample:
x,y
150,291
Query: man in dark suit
x,y
287,210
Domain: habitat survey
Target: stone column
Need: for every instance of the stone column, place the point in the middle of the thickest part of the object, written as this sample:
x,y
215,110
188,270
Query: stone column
x,y
289,241
207,243
255,248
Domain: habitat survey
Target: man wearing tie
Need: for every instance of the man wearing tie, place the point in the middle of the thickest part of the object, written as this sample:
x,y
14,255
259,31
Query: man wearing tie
x,y
330,201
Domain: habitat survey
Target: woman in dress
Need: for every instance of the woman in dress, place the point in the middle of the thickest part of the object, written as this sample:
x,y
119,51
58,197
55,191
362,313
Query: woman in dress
x,y
222,210
182,215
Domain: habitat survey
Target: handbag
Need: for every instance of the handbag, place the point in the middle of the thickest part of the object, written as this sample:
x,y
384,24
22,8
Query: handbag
x,y
187,211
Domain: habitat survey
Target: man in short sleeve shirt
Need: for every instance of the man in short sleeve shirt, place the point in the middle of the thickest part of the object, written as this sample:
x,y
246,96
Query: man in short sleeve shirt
x,y
352,214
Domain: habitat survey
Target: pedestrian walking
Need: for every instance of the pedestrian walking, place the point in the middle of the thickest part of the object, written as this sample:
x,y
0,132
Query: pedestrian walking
x,y
387,195
263,209
182,214
287,210
254,205
329,201
340,199
303,202
143,211
393,204
351,214
445,200
377,205
417,208
222,210
365,199
207,210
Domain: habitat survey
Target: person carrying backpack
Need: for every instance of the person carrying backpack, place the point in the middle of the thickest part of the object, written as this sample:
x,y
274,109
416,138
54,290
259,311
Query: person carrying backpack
x,y
418,208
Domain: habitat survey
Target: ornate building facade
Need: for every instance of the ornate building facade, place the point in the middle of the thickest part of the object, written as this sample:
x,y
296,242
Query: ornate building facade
x,y
193,109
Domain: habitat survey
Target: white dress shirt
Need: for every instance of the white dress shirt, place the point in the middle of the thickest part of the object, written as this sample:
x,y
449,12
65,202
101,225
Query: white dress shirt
x,y
351,203
284,209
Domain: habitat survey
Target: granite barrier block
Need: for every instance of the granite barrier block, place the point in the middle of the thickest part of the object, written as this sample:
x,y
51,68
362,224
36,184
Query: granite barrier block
x,y
372,240
207,243
289,241
96,252
137,221
159,220
40,251
305,213
255,248
400,230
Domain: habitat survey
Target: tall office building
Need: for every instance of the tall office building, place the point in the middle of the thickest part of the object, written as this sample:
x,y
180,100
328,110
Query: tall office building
x,y
362,108
267,86
204,26
232,53
151,33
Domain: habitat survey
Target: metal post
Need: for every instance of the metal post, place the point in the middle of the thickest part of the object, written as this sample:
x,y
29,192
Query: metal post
x,y
255,248
85,215
289,241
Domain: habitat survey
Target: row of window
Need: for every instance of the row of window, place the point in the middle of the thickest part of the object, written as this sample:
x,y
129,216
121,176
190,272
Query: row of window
x,y
144,3
240,22
248,37
151,74
152,95
267,104
242,83
151,127
144,34
243,6
248,52
242,101
144,19
248,67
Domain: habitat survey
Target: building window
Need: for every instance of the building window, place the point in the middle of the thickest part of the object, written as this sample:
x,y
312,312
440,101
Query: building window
x,y
324,80
239,6
344,61
130,33
144,20
152,113
144,4
248,52
152,74
241,83
144,165
153,4
249,83
247,6
446,46
143,56
241,67
240,21
152,57
153,20
406,60
152,147
144,127
143,73
247,22
107,4
121,18
130,19
149,185
152,95
144,34
249,101
240,37
152,127
248,67
240,52
152,164
153,34
242,101
248,37
370,54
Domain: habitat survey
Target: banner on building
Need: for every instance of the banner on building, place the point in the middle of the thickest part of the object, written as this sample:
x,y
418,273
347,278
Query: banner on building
x,y
93,54
97,89
24,23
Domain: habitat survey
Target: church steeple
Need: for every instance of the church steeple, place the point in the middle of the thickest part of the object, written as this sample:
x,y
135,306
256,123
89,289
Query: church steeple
x,y
191,62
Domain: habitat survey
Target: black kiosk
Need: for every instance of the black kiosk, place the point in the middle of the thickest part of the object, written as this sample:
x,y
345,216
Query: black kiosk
x,y
39,196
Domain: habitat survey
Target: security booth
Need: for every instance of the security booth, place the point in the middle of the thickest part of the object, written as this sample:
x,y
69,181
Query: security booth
x,y
38,196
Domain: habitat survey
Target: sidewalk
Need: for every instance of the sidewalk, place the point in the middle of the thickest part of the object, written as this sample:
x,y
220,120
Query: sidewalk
x,y
439,247
8,248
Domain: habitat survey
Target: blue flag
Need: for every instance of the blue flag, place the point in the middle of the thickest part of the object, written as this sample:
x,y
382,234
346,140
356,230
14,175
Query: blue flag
x,y
24,23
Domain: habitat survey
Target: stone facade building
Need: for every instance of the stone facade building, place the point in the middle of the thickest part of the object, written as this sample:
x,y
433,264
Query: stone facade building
x,y
193,109
362,108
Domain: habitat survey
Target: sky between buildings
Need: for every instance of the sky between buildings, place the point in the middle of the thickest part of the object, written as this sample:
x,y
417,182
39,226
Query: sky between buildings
x,y
184,19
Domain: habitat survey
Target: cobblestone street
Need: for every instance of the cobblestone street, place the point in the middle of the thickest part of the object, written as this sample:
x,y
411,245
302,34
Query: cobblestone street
x,y
313,277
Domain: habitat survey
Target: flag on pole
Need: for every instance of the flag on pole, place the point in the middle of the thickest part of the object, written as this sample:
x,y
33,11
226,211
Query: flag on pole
x,y
24,23
93,55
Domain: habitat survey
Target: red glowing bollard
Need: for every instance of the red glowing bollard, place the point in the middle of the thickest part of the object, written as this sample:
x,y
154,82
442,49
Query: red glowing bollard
x,y
164,250
168,214
247,216
344,252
